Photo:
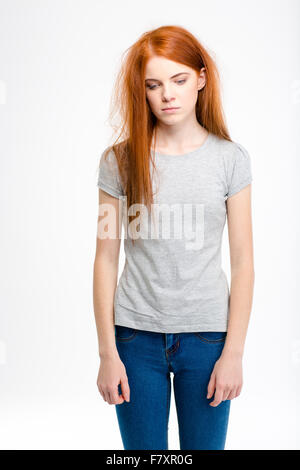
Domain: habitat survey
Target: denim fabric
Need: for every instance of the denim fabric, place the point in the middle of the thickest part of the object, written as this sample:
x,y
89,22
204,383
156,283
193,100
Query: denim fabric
x,y
150,358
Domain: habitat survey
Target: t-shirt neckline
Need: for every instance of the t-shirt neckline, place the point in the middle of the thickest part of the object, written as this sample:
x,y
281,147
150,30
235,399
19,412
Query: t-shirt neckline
x,y
192,152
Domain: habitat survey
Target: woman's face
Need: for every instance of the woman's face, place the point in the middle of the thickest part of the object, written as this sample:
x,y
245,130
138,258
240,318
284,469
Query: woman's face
x,y
171,84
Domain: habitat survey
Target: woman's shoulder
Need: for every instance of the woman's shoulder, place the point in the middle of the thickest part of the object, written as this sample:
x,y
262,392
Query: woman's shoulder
x,y
230,150
116,153
227,144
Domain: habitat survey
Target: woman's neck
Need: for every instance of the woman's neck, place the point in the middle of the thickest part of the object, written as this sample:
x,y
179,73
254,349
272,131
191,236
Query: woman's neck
x,y
179,142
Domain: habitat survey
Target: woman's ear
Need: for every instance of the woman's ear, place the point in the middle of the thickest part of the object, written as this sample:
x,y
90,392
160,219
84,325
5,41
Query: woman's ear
x,y
201,79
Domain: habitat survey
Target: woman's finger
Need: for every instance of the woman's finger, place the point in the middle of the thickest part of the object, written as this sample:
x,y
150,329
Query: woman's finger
x,y
125,389
218,396
227,393
101,391
211,386
232,394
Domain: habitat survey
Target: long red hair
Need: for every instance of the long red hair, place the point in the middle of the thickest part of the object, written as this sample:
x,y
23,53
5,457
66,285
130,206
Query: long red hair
x,y
137,126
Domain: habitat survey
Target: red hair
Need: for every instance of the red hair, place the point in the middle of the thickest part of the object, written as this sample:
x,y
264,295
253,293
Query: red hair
x,y
137,126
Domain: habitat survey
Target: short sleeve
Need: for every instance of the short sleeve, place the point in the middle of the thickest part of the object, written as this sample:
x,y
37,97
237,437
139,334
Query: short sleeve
x,y
240,171
108,174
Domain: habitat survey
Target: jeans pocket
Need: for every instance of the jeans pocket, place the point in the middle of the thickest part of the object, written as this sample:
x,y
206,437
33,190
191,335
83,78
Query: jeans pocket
x,y
211,336
125,333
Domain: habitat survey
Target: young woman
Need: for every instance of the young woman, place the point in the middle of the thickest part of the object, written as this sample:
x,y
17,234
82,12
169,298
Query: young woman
x,y
172,180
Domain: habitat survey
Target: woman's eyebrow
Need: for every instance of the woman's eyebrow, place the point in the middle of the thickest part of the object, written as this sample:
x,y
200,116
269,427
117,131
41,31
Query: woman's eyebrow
x,y
173,76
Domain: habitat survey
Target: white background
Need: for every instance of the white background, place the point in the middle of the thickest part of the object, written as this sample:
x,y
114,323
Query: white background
x,y
58,61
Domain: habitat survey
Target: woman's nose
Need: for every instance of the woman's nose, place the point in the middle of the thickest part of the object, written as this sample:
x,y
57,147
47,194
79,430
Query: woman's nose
x,y
166,94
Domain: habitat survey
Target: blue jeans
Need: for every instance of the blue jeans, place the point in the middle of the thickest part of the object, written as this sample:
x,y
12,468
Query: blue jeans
x,y
149,359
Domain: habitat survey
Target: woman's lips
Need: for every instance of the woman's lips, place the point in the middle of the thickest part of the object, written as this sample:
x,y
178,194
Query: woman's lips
x,y
170,110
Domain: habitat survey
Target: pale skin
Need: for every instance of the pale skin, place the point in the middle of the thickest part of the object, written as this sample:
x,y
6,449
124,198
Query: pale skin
x,y
178,133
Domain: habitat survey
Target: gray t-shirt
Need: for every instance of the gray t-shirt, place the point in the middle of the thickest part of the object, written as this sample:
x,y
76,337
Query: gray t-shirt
x,y
173,281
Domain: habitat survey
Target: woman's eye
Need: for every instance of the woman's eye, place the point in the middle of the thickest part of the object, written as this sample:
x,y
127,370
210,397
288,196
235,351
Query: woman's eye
x,y
152,87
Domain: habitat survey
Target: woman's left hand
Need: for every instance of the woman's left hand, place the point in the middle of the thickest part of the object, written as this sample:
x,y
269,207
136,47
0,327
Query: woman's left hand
x,y
226,380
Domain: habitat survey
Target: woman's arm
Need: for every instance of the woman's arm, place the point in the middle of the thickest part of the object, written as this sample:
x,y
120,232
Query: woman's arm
x,y
226,379
112,370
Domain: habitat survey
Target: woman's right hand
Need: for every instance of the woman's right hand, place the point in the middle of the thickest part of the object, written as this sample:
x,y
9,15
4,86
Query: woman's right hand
x,y
112,372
